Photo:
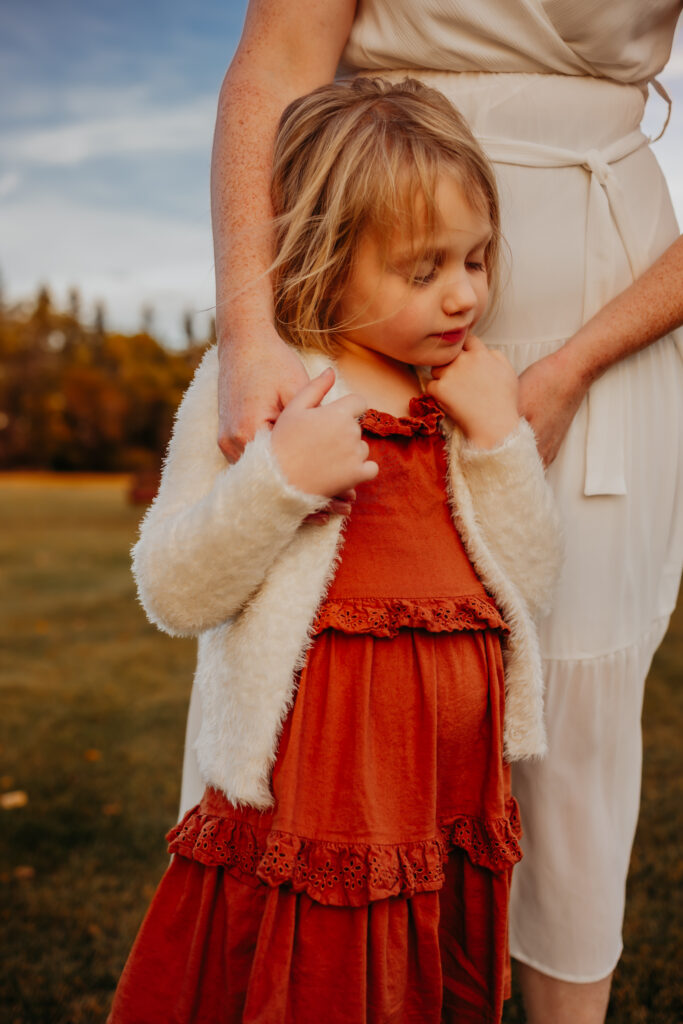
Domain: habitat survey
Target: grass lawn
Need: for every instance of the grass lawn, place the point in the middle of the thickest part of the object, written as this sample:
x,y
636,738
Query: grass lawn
x,y
93,704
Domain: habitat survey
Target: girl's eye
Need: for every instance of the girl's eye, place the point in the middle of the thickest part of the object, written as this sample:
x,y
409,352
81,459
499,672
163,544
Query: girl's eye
x,y
476,266
424,273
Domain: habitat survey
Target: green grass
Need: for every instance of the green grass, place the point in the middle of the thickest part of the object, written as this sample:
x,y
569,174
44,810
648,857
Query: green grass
x,y
93,705
81,671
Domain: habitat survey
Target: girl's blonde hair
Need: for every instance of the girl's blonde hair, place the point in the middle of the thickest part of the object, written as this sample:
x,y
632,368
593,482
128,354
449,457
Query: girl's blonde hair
x,y
361,155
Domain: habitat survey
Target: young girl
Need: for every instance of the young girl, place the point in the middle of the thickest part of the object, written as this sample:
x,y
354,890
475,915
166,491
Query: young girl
x,y
363,681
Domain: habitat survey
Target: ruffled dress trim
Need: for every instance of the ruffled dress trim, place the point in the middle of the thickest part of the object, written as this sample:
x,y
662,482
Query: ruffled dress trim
x,y
384,617
345,874
425,416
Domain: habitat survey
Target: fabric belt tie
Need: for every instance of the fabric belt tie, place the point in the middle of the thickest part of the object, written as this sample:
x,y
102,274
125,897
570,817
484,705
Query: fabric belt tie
x,y
608,212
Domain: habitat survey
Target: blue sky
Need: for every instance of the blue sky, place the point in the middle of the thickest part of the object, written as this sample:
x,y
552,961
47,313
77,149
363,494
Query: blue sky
x,y
106,124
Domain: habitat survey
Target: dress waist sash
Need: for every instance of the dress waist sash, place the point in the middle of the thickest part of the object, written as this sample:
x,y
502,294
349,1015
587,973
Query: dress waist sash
x,y
608,210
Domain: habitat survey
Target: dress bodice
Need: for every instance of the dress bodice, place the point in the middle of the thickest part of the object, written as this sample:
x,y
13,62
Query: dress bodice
x,y
627,41
403,562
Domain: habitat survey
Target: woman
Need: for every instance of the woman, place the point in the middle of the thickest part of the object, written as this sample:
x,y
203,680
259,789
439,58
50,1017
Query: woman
x,y
556,92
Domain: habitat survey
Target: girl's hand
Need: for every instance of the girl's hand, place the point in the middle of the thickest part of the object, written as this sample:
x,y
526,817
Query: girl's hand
x,y
319,447
549,396
479,391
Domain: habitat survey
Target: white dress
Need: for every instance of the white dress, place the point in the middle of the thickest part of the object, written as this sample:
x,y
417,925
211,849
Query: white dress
x,y
555,90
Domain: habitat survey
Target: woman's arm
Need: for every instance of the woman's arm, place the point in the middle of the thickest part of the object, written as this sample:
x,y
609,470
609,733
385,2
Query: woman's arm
x,y
287,49
552,389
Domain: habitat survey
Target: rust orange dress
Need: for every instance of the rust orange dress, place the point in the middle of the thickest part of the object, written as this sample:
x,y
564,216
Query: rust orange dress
x,y
376,890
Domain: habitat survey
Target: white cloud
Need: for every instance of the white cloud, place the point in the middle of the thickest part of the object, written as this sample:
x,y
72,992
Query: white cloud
x,y
184,128
8,183
125,259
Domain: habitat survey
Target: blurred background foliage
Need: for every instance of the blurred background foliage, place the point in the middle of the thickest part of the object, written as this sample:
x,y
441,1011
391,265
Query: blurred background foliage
x,y
75,396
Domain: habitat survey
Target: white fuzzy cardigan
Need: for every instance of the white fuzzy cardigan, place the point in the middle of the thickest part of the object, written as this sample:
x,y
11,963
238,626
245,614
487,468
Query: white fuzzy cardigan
x,y
225,554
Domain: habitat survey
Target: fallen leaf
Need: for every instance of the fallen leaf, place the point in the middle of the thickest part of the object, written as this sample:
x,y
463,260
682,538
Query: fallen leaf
x,y
112,809
15,798
92,754
6,781
41,627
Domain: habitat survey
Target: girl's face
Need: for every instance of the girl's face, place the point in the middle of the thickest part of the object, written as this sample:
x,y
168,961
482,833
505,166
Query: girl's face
x,y
420,314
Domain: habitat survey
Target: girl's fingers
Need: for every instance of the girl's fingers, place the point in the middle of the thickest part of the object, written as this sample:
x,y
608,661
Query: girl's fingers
x,y
472,343
354,405
341,503
312,394
338,507
370,470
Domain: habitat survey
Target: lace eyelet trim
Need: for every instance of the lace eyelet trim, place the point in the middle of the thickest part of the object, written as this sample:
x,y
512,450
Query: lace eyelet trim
x,y
385,617
345,874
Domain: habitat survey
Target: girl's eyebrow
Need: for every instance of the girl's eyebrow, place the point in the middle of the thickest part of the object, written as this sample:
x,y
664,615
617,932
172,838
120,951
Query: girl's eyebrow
x,y
408,257
483,240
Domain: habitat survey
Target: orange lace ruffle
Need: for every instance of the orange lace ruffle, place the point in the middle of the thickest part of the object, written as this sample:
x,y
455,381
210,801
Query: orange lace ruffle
x,y
425,416
383,617
344,874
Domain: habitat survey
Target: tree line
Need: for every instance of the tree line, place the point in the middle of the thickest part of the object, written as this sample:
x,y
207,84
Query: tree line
x,y
76,396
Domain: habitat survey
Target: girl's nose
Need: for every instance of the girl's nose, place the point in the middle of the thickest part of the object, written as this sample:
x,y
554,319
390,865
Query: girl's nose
x,y
459,295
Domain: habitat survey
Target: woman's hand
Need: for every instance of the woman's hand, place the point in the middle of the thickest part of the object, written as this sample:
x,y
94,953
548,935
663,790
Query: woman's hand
x,y
261,375
319,447
551,390
549,396
254,386
479,391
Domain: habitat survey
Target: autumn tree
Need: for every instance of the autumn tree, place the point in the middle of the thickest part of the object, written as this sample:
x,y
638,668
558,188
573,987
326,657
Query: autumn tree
x,y
74,395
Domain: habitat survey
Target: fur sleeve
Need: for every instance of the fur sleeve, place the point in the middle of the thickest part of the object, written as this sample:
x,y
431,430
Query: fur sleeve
x,y
516,513
213,531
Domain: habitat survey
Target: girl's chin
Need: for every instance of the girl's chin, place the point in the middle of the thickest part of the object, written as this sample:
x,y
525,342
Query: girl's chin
x,y
446,355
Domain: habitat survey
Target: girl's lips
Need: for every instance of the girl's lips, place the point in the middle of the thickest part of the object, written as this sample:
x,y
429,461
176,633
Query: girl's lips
x,y
454,337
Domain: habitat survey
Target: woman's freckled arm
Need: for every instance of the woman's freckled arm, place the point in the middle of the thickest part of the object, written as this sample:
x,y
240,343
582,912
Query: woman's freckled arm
x,y
286,50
